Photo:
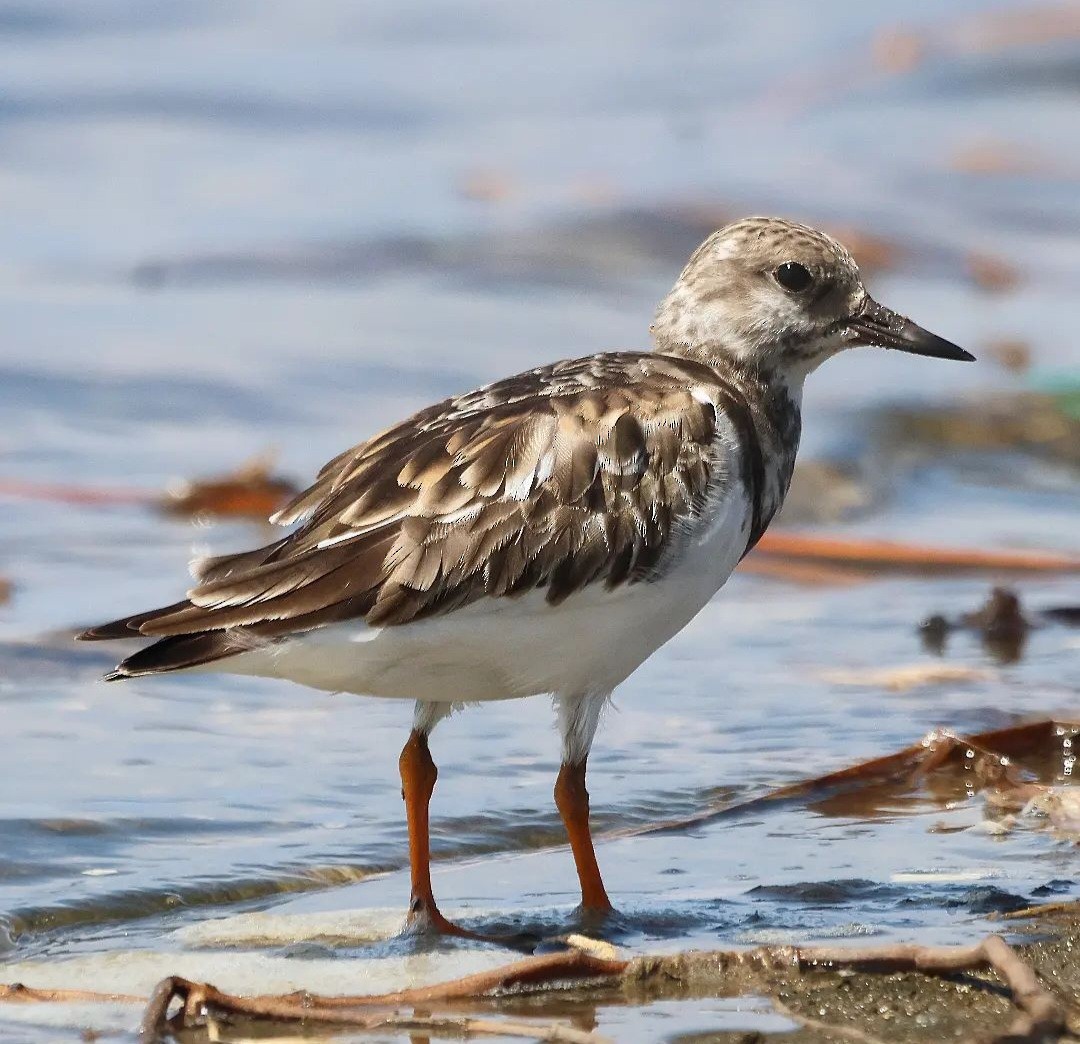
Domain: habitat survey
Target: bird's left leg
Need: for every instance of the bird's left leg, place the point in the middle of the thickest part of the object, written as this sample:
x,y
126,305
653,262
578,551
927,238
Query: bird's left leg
x,y
579,716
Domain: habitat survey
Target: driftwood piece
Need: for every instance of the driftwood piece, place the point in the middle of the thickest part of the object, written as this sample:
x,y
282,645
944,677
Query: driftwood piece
x,y
1039,1015
1070,907
202,1002
251,491
987,759
199,1000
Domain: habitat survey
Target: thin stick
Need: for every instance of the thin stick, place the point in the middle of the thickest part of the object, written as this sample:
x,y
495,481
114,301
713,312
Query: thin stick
x,y
1071,906
19,993
813,574
463,1025
68,494
933,751
568,966
1040,1013
876,553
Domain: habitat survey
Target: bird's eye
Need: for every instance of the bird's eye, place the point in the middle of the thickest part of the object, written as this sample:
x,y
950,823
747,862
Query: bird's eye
x,y
793,276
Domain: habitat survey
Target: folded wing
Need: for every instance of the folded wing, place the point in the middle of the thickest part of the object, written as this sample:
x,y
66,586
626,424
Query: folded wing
x,y
574,474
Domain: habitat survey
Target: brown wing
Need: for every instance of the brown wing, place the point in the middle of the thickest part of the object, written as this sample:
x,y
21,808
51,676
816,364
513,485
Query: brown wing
x,y
569,475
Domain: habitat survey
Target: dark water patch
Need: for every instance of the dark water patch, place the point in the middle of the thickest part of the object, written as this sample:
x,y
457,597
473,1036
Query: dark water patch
x,y
132,400
12,871
606,252
975,899
252,112
18,20
370,377
526,829
56,20
1058,886
25,834
594,251
868,897
1038,71
1043,205
817,894
637,923
192,895
62,661
987,899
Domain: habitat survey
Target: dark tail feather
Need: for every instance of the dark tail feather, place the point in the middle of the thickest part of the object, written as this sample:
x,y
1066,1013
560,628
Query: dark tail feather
x,y
128,626
206,570
177,652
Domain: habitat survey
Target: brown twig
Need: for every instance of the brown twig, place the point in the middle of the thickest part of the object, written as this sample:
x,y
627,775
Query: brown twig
x,y
200,1000
793,571
571,966
880,553
19,993
1065,906
987,763
1041,1016
465,1026
70,494
250,491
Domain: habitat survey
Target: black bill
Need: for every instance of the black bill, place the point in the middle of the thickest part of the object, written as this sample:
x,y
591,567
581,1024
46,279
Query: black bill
x,y
881,327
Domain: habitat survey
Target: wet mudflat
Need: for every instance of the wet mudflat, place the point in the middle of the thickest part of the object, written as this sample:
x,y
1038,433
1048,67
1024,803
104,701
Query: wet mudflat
x,y
258,229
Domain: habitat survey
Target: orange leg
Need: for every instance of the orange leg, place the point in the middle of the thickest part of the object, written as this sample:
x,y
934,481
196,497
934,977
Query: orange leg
x,y
572,800
418,776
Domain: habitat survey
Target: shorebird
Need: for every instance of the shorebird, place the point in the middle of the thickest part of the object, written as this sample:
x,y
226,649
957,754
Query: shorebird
x,y
545,533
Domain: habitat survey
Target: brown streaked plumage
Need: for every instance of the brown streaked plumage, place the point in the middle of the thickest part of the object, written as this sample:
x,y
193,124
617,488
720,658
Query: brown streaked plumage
x,y
566,475
545,533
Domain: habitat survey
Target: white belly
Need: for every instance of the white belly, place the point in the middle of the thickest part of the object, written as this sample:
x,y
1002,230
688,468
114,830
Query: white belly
x,y
503,648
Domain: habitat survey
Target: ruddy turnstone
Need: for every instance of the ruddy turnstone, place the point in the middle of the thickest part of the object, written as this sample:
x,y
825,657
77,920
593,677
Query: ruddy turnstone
x,y
545,533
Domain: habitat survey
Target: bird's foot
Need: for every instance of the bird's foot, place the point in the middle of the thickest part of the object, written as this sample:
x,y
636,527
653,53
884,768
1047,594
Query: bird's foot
x,y
596,918
425,919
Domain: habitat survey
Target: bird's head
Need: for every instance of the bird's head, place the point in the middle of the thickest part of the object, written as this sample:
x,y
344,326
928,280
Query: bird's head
x,y
780,297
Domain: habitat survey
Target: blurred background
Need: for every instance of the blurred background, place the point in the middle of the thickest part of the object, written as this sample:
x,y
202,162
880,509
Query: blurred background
x,y
266,227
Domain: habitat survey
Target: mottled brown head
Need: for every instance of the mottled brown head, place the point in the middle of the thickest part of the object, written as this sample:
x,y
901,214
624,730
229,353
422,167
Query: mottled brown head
x,y
779,296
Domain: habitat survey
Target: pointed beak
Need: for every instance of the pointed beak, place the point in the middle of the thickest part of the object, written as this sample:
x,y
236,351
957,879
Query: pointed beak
x,y
879,327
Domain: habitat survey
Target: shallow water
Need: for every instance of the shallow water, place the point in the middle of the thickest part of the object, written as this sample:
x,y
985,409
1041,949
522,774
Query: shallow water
x,y
229,228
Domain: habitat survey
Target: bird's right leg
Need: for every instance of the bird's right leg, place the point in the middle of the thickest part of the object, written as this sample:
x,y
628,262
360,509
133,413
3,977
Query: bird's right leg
x,y
418,776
